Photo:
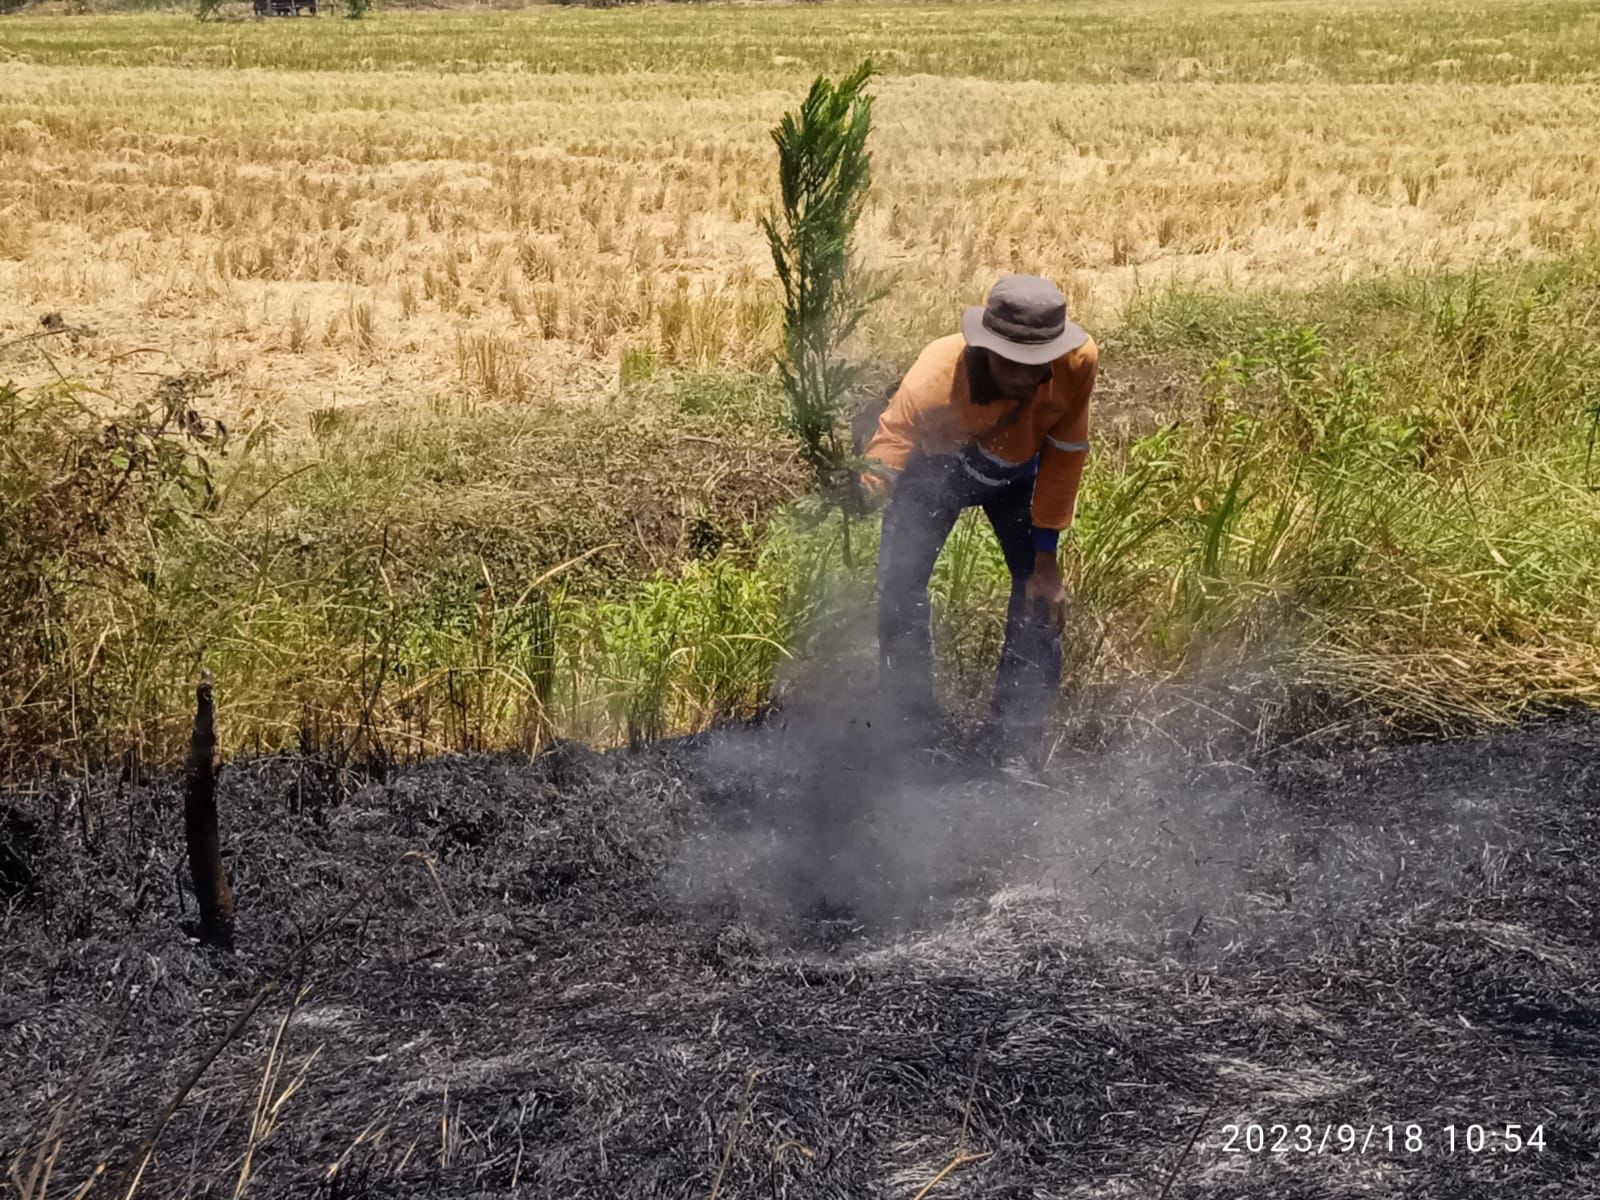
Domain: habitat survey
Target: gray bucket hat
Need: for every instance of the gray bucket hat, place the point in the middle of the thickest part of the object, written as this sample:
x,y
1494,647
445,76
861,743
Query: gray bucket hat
x,y
1025,321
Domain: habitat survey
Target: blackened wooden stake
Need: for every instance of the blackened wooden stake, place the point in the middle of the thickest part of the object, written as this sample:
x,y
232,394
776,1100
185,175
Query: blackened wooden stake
x,y
200,823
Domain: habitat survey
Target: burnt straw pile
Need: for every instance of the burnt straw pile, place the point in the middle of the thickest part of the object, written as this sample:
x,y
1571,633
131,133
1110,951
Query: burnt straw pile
x,y
812,960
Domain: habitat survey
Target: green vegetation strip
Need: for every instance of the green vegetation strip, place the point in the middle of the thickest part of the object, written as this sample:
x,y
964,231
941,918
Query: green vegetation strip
x,y
1086,41
1386,491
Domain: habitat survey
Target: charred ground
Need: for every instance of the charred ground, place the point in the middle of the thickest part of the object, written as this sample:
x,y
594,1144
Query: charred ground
x,y
801,960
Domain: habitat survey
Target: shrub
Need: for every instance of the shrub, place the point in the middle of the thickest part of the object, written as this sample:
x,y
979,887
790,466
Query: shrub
x,y
81,502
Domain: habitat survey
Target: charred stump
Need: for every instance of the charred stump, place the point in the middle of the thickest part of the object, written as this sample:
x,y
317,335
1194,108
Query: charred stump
x,y
200,823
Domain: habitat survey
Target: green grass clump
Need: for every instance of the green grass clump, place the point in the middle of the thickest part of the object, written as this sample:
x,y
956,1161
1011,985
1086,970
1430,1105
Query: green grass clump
x,y
434,584
1385,486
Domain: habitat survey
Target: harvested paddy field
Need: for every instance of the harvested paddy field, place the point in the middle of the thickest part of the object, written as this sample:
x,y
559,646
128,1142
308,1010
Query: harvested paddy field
x,y
451,210
794,960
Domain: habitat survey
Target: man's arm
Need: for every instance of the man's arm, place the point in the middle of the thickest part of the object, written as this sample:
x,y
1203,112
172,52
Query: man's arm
x,y
891,445
1055,490
896,436
1061,460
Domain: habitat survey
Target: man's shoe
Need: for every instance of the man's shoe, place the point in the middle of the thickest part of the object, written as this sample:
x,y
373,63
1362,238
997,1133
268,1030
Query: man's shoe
x,y
1012,750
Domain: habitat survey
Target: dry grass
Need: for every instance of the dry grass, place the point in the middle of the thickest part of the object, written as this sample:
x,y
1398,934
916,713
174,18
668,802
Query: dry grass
x,y
400,238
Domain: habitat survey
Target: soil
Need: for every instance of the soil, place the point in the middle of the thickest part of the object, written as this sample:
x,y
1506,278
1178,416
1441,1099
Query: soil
x,y
810,959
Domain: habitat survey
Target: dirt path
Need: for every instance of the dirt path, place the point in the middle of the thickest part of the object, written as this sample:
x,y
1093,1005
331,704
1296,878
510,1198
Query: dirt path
x,y
844,958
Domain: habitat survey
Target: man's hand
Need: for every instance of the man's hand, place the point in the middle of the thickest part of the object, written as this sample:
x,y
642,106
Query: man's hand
x,y
1044,595
851,491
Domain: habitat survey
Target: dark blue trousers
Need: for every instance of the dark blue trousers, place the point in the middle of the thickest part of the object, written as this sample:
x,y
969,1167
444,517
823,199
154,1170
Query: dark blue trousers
x,y
928,497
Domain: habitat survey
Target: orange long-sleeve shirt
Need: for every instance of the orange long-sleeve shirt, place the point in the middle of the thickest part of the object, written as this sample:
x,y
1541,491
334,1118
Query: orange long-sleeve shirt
x,y
933,412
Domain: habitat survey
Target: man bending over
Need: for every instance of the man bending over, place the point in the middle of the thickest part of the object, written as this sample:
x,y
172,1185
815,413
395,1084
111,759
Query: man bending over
x,y
996,416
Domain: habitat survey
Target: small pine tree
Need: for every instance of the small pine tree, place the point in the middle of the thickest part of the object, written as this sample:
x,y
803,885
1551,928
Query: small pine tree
x,y
824,172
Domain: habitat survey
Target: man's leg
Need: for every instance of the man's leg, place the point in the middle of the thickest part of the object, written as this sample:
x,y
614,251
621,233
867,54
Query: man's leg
x,y
921,512
1029,678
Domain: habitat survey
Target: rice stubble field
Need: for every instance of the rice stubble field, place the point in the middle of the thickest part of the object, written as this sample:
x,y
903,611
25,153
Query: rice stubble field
x,y
397,228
